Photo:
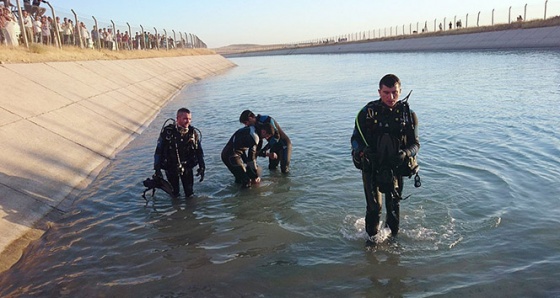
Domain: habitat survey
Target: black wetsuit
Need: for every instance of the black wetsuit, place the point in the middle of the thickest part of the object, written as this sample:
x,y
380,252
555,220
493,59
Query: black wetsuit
x,y
241,149
385,136
178,153
280,144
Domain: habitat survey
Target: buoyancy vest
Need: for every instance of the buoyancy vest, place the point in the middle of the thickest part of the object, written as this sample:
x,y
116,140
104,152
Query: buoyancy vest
x,y
180,146
385,133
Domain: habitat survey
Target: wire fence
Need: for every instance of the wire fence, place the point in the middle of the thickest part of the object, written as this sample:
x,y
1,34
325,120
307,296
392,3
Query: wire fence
x,y
79,29
472,21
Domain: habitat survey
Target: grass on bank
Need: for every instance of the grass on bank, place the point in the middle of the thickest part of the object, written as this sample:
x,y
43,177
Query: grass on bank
x,y
38,53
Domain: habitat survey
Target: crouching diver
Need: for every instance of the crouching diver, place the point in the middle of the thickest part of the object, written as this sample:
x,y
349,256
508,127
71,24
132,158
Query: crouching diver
x,y
178,151
241,150
384,145
280,144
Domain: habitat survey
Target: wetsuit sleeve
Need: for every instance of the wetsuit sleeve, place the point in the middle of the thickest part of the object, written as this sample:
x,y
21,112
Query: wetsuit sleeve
x,y
413,141
253,143
262,152
358,135
158,155
199,152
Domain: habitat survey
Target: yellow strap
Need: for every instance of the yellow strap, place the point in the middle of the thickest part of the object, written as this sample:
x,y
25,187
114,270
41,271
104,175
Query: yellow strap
x,y
360,130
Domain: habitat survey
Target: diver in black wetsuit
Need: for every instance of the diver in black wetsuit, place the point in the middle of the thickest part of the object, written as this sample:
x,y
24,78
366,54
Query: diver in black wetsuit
x,y
178,151
384,142
279,144
241,150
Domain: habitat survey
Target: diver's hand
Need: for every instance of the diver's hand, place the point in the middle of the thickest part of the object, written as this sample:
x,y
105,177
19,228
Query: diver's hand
x,y
200,172
158,173
272,155
399,158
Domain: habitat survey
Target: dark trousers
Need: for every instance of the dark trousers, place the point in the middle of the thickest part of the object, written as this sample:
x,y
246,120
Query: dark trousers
x,y
187,179
284,151
237,167
374,201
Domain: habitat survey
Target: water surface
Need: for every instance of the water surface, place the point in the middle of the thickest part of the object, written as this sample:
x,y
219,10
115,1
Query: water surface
x,y
484,222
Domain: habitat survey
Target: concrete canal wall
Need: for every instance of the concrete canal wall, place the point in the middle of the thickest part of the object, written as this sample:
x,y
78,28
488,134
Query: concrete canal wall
x,y
541,38
61,123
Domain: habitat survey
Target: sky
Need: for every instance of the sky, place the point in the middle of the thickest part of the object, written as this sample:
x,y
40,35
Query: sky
x,y
225,22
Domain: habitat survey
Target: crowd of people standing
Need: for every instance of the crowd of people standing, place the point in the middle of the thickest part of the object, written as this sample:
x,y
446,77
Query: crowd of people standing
x,y
38,28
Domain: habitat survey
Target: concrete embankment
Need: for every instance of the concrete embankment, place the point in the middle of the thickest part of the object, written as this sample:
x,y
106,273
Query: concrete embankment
x,y
541,38
61,123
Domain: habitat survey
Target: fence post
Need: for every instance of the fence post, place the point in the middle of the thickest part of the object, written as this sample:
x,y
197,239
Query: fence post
x,y
98,39
478,19
174,39
545,4
157,43
142,42
166,40
129,42
435,28
525,13
57,33
444,23
114,37
492,17
22,26
509,15
79,29
467,21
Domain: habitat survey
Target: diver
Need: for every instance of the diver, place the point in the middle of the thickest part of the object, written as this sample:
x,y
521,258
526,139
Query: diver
x,y
240,153
178,151
279,144
384,145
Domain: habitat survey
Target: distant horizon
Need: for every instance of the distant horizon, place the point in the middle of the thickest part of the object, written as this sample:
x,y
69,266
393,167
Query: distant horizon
x,y
220,23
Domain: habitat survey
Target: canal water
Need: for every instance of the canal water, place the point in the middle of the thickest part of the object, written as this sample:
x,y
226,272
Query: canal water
x,y
483,224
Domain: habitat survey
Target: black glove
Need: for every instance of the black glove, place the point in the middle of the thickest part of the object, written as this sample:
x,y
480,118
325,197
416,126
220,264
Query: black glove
x,y
399,158
200,172
158,173
357,159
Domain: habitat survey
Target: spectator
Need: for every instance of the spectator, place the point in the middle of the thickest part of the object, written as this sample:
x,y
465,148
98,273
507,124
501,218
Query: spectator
x,y
27,6
86,41
47,30
119,40
66,31
38,11
28,26
94,35
37,36
109,39
126,40
137,41
8,25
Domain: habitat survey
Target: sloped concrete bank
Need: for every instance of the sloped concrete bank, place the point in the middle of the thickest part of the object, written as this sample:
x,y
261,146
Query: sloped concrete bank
x,y
61,123
539,38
